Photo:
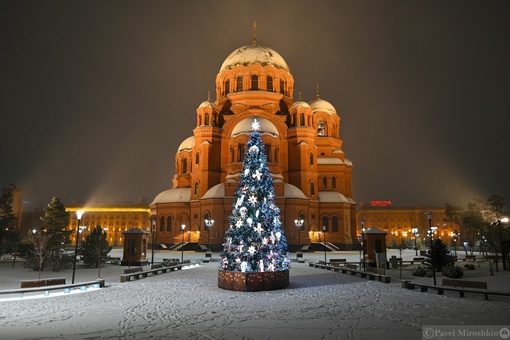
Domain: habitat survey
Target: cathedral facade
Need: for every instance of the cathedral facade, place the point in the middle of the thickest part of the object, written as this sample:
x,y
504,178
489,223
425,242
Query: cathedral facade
x,y
312,178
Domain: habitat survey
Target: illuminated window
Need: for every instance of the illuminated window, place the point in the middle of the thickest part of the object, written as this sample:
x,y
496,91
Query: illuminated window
x,y
269,83
321,129
239,83
254,82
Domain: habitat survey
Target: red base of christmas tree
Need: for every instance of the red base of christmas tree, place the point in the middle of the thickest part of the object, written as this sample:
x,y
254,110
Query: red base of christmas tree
x,y
252,281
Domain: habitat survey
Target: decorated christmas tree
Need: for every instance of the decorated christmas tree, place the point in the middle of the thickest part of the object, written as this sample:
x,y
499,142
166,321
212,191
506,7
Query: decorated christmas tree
x,y
254,240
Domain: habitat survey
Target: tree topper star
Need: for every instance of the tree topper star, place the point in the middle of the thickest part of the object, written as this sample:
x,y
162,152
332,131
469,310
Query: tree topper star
x,y
255,125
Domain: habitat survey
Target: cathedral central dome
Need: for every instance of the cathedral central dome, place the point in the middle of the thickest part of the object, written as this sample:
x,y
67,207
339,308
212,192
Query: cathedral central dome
x,y
254,54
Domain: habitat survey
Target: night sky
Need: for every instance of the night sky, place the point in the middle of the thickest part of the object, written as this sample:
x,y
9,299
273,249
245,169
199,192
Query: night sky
x,y
96,96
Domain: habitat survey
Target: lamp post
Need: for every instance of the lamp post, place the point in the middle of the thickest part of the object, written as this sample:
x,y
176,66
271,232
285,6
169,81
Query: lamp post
x,y
456,235
153,223
299,225
79,214
498,223
431,232
324,229
183,227
209,224
415,233
363,241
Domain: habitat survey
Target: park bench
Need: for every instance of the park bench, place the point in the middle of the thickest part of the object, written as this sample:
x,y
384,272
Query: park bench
x,y
138,272
470,258
351,266
460,286
378,273
299,257
43,282
337,262
99,283
349,269
418,259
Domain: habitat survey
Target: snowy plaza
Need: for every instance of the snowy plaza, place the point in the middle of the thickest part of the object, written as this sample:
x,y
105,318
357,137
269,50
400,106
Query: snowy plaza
x,y
188,304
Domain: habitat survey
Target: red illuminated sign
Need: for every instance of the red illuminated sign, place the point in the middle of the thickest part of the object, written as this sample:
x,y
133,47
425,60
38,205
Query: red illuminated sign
x,y
380,203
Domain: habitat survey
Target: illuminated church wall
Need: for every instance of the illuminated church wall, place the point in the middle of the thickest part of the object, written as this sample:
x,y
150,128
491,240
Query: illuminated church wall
x,y
312,177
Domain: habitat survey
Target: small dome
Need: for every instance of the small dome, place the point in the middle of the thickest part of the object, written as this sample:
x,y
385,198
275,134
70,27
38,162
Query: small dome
x,y
254,54
292,191
173,195
217,191
321,105
299,103
207,103
187,145
244,127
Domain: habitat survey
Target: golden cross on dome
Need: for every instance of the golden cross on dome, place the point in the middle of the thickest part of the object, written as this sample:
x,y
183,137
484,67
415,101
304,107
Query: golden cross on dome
x,y
317,91
254,33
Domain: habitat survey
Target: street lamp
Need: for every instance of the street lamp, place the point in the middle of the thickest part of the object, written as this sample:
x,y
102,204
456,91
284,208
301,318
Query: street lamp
x,y
498,223
153,223
209,224
431,232
79,214
324,229
299,225
363,241
183,227
415,233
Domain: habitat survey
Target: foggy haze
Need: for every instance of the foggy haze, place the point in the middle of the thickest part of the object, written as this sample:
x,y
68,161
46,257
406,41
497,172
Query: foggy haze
x,y
97,96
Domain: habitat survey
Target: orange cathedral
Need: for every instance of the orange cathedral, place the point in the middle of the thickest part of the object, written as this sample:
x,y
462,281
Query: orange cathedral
x,y
312,178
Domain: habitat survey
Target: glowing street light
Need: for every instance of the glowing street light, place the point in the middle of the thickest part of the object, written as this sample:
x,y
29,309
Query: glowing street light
x,y
209,224
324,229
415,233
153,223
431,233
183,227
299,225
79,214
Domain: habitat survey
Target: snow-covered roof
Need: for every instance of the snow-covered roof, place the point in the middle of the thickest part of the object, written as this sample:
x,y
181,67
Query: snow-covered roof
x,y
334,197
207,103
254,54
173,195
329,160
216,191
291,191
321,105
187,144
299,103
244,127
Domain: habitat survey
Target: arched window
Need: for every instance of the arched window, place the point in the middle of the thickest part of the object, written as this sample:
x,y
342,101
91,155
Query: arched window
x,y
232,155
302,119
269,83
312,189
325,222
282,86
197,158
227,86
196,188
162,224
184,166
311,159
324,182
267,152
333,182
321,129
334,224
206,119
239,83
241,153
254,82
169,223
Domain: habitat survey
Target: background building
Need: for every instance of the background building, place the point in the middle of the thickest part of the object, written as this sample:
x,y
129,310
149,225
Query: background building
x,y
116,217
399,222
312,177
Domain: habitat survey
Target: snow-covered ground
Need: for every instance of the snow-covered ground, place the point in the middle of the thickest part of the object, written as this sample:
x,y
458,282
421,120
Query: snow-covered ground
x,y
187,304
